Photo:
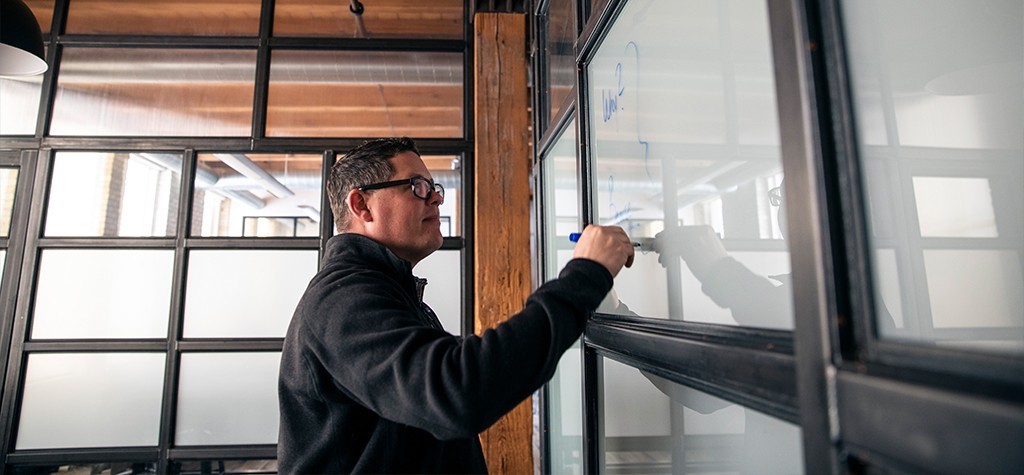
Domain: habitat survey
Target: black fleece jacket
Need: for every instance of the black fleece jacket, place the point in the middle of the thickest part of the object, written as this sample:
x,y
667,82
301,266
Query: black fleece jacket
x,y
371,383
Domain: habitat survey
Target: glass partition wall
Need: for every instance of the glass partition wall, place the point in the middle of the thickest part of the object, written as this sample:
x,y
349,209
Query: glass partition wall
x,y
162,212
826,206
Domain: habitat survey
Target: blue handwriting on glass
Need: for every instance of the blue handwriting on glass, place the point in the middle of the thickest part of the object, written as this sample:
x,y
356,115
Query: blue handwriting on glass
x,y
610,99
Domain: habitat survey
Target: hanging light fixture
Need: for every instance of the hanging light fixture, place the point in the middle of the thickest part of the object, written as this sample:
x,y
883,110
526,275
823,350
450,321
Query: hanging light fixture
x,y
21,41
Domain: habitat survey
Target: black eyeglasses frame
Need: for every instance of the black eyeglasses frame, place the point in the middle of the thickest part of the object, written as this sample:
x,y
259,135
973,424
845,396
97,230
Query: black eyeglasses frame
x,y
434,187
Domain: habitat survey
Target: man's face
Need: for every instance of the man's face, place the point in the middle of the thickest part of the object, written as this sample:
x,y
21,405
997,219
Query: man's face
x,y
408,225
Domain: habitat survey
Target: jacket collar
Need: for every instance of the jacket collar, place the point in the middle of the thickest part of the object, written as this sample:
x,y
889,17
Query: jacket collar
x,y
362,248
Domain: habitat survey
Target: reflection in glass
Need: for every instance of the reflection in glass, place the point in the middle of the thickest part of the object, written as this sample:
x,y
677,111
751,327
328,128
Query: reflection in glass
x,y
20,98
244,293
257,195
954,207
76,400
380,19
3,262
653,425
164,17
103,293
113,194
205,467
227,398
119,468
560,51
561,217
8,186
365,94
687,160
443,292
154,91
940,130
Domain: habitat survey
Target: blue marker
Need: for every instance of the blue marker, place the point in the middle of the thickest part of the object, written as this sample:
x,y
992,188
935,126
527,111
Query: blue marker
x,y
645,244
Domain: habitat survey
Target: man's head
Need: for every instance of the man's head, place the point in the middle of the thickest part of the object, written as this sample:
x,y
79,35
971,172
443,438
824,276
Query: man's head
x,y
369,196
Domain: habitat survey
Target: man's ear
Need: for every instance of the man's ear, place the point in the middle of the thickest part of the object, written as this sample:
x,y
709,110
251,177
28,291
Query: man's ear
x,y
358,207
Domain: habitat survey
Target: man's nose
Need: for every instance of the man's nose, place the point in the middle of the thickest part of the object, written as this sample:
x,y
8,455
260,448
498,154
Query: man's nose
x,y
435,198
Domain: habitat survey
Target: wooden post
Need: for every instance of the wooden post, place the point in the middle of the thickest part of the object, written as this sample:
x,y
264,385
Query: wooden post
x,y
502,210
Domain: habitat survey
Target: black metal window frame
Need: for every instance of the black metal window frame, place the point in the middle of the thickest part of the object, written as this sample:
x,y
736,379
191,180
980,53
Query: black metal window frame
x,y
831,373
33,156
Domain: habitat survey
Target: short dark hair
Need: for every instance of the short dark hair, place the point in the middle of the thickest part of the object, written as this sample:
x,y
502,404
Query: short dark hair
x,y
368,163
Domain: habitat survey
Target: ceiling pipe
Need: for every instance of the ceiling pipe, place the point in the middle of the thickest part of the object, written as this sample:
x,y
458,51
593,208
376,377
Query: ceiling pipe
x,y
357,9
241,164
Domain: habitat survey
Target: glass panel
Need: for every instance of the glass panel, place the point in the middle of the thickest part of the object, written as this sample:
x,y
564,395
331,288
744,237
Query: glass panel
x,y
443,293
653,425
103,293
257,195
380,19
208,467
240,293
8,186
365,94
20,98
119,468
91,400
447,170
561,201
164,17
954,207
561,217
227,398
154,91
560,51
3,262
687,160
940,125
113,194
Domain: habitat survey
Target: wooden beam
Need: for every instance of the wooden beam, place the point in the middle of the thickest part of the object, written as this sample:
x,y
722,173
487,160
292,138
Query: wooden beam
x,y
502,210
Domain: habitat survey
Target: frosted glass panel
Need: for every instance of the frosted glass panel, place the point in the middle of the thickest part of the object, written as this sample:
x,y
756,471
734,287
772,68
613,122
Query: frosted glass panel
x,y
20,98
247,293
954,207
687,160
91,400
561,198
443,293
114,194
561,217
101,293
8,186
227,398
936,89
655,426
976,289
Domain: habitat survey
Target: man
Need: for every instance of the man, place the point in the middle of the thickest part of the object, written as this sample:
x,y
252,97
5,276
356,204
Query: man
x,y
370,382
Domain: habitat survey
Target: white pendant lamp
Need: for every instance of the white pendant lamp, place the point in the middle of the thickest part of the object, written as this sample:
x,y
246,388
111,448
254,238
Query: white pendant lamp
x,y
21,41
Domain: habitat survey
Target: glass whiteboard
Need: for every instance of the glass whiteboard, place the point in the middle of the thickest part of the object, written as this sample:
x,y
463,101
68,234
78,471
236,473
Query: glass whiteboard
x,y
684,128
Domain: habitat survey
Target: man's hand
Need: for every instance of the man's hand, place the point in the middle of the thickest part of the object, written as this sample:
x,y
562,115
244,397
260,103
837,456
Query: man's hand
x,y
608,245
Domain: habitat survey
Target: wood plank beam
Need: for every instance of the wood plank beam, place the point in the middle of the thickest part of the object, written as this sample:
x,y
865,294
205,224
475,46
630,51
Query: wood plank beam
x,y
502,234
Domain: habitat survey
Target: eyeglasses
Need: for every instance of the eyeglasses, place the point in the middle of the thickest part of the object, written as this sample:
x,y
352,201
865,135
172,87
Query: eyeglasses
x,y
421,187
775,196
